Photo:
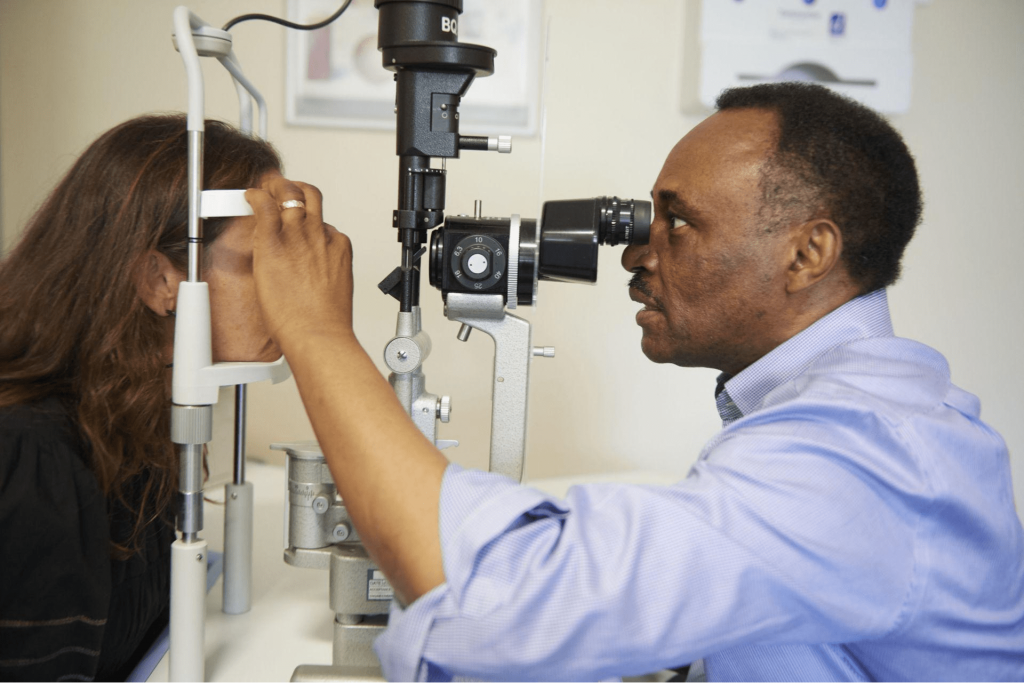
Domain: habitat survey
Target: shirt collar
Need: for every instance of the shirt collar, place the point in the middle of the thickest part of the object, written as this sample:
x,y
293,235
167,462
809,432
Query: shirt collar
x,y
860,318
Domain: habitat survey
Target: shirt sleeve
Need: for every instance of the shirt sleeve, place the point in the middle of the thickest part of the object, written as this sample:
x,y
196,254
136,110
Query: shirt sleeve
x,y
784,534
55,573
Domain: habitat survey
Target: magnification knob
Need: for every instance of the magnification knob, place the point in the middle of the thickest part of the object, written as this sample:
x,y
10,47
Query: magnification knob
x,y
476,262
444,408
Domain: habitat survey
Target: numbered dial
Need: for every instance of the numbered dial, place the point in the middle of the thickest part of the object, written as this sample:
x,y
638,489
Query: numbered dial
x,y
478,262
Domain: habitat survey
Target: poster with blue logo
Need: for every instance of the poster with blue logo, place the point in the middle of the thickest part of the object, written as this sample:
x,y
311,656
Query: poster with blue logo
x,y
861,48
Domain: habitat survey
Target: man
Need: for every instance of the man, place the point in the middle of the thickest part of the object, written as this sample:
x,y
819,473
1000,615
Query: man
x,y
853,520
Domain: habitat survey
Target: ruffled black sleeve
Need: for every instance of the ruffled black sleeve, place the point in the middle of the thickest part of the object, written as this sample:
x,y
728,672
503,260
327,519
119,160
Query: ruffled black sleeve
x,y
54,551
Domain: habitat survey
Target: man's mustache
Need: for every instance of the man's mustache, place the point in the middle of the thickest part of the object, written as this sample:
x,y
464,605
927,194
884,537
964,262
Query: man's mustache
x,y
638,283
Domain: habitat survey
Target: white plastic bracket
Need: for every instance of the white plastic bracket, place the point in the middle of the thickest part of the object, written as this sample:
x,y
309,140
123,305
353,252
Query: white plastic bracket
x,y
219,203
196,379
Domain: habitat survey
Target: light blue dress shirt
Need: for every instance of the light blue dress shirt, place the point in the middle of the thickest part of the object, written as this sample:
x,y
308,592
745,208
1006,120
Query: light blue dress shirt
x,y
853,520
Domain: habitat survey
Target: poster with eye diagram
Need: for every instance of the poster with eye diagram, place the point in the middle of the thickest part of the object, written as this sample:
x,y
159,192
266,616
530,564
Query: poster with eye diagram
x,y
334,75
861,48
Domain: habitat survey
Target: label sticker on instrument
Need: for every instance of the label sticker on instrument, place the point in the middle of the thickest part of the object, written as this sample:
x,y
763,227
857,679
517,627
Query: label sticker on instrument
x,y
377,587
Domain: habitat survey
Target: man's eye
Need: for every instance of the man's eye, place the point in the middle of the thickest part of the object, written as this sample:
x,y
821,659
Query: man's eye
x,y
677,222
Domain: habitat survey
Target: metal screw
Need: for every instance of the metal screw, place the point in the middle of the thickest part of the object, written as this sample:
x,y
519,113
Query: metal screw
x,y
444,115
320,505
456,115
199,557
444,107
402,355
234,496
340,532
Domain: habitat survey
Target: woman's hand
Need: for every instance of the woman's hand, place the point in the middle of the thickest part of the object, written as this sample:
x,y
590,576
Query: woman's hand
x,y
302,266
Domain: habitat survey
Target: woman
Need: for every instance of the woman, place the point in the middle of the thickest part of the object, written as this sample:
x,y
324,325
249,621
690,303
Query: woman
x,y
88,474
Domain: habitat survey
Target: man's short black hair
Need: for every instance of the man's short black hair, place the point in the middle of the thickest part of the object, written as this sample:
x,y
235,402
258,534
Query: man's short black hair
x,y
845,159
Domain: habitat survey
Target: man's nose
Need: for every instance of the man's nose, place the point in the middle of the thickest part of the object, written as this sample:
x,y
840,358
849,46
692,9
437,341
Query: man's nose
x,y
638,257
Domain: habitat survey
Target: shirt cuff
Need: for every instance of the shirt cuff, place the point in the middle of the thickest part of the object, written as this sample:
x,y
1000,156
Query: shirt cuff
x,y
400,648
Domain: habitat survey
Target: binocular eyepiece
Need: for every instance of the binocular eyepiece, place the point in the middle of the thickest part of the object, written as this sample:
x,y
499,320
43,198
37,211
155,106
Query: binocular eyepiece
x,y
508,256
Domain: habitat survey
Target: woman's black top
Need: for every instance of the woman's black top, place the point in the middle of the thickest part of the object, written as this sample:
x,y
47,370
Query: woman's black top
x,y
68,610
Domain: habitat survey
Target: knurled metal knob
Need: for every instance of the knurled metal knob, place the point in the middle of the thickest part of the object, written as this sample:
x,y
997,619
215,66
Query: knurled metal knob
x,y
321,505
191,424
444,408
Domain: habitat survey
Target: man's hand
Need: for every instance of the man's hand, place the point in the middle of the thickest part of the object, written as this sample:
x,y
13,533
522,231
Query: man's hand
x,y
302,266
388,474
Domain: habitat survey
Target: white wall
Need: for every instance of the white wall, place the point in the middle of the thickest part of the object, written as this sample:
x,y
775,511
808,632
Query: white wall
x,y
617,81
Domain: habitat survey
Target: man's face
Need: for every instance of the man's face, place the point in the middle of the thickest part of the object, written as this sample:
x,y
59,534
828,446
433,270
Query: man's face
x,y
712,276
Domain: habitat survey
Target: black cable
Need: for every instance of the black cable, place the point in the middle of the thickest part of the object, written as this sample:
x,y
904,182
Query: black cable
x,y
285,22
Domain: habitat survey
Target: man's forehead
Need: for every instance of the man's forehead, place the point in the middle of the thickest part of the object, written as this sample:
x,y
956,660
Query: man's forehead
x,y
727,143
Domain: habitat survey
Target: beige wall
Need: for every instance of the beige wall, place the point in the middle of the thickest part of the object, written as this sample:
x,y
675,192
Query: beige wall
x,y
617,78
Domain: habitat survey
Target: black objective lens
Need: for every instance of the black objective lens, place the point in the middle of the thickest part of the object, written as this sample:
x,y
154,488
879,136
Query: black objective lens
x,y
572,229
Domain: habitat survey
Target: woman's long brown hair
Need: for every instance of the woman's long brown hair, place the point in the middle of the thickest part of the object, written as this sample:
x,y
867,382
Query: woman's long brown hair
x,y
72,325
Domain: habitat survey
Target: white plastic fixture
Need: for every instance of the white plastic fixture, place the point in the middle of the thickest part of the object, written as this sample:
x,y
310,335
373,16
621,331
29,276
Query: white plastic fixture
x,y
196,379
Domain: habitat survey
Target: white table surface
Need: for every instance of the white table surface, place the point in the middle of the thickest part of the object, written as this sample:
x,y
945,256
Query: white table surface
x,y
291,622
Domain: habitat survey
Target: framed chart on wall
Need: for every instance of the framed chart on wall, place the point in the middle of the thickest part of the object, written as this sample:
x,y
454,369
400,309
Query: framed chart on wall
x,y
334,76
860,48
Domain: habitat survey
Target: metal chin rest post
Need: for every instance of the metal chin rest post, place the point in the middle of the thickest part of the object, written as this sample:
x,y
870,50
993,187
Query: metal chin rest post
x,y
197,379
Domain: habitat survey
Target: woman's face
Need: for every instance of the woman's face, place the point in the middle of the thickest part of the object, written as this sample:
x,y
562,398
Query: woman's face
x,y
236,323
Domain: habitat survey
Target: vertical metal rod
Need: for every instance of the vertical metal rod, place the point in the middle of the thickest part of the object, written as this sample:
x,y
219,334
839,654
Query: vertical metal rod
x,y
195,189
190,491
238,523
410,198
240,434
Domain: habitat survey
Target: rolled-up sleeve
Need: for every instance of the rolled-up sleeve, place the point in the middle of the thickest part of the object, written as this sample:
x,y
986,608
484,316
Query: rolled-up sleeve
x,y
622,580
476,507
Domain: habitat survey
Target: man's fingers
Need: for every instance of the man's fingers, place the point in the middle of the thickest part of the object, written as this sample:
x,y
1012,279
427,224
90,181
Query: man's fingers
x,y
291,201
314,200
303,267
264,208
282,189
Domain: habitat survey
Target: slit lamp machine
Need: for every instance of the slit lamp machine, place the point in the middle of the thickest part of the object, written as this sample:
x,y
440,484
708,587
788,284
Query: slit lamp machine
x,y
484,268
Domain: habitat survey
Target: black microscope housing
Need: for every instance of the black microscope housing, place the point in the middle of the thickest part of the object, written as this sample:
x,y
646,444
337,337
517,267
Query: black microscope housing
x,y
472,255
418,40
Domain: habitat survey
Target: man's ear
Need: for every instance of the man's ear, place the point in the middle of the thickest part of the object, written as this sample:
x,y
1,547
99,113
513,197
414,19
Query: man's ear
x,y
156,281
816,248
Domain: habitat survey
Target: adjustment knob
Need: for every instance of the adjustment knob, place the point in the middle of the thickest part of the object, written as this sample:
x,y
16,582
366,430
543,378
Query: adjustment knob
x,y
341,532
501,144
476,262
444,408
